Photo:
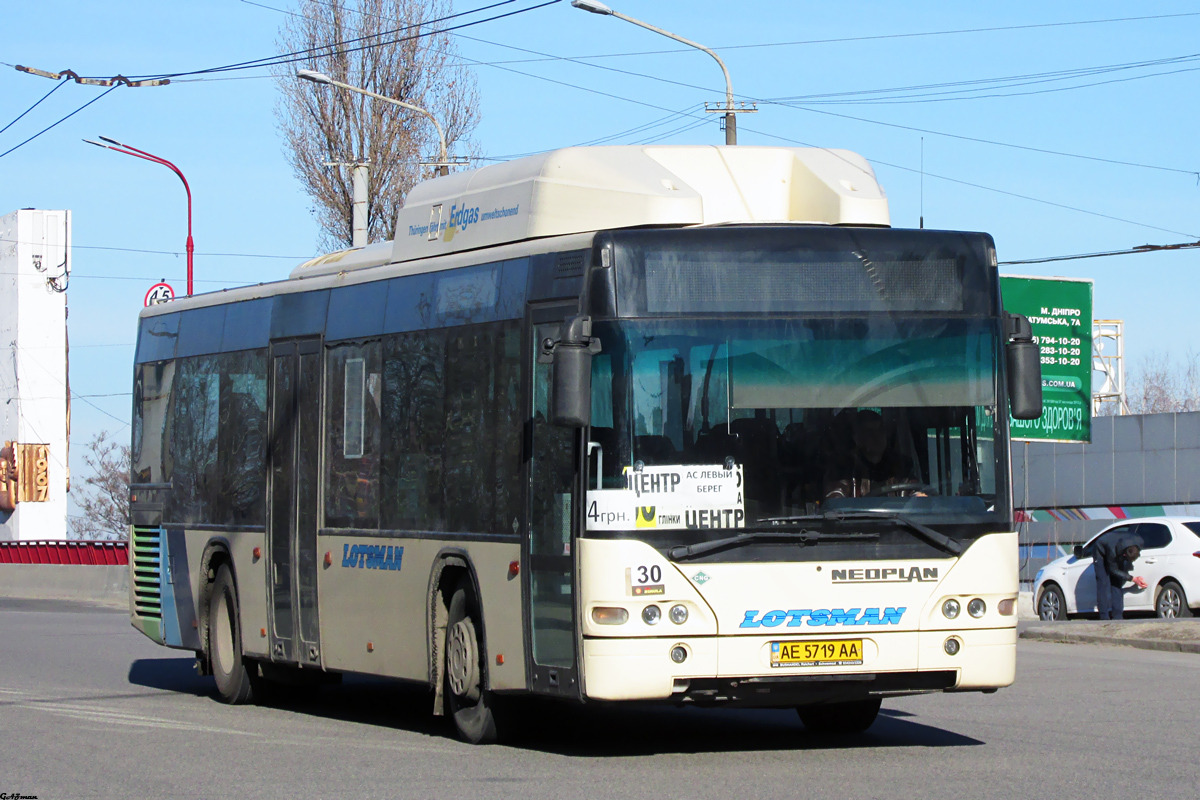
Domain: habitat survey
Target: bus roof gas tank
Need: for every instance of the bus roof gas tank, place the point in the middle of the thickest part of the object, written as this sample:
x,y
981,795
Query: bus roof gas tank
x,y
580,189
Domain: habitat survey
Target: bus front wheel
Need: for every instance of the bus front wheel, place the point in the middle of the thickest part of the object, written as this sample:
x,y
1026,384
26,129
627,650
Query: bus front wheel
x,y
469,704
225,641
840,718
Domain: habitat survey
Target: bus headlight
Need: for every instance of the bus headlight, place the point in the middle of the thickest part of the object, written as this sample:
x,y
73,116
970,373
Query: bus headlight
x,y
950,608
952,646
678,614
609,615
651,615
679,654
976,608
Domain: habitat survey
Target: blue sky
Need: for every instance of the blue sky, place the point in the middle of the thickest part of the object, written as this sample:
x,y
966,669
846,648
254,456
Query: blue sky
x,y
223,136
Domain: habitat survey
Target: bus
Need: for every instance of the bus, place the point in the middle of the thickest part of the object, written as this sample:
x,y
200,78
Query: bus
x,y
690,425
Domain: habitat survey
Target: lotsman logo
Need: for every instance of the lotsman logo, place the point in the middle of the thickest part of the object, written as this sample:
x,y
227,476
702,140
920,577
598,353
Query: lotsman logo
x,y
823,616
371,556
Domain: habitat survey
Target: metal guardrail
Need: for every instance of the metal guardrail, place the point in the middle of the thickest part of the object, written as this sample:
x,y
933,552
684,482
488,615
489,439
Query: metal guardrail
x,y
83,553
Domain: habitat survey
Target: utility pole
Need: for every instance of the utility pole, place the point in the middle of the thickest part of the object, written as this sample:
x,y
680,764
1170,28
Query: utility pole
x,y
730,109
360,172
443,162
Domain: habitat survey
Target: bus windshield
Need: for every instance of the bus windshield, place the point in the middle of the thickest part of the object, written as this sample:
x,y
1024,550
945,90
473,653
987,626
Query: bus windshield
x,y
735,423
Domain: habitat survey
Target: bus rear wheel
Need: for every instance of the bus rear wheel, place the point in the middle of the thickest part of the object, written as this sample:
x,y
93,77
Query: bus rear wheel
x,y
840,718
468,703
225,642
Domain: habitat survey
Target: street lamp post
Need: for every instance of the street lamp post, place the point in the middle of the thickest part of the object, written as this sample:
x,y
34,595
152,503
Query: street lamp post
x,y
129,150
443,164
730,110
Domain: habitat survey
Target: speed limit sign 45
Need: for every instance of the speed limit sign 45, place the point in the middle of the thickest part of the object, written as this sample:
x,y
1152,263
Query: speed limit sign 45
x,y
159,293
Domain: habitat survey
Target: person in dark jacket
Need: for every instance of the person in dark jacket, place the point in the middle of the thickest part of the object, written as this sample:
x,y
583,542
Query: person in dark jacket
x,y
1113,555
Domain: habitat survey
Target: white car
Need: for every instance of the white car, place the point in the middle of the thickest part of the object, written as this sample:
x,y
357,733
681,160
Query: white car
x,y
1170,563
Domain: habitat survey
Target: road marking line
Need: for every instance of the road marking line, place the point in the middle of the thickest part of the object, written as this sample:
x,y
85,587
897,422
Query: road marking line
x,y
113,716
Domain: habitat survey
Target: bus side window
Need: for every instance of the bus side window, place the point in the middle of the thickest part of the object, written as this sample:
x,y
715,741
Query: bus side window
x,y
353,403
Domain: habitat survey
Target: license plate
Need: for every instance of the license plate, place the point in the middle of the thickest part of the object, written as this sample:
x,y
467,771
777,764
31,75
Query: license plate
x,y
838,653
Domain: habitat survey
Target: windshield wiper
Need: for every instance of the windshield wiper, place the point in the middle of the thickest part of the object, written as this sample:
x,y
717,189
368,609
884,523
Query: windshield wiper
x,y
802,537
923,532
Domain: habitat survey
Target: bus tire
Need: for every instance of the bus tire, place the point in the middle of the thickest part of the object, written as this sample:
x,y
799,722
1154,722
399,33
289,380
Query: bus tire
x,y
229,668
840,718
470,705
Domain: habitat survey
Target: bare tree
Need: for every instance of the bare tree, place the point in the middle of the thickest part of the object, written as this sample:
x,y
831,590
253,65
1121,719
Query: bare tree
x,y
1159,386
103,498
389,47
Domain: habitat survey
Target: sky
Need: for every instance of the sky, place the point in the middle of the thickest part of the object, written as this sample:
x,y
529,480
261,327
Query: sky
x,y
253,222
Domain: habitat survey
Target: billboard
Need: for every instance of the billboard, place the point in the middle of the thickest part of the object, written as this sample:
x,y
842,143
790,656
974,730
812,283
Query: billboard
x,y
1060,312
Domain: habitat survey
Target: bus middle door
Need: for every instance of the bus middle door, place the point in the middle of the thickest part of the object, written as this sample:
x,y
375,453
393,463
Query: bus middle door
x,y
554,505
294,456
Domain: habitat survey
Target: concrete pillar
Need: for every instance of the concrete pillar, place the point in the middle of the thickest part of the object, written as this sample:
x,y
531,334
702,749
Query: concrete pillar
x,y
35,256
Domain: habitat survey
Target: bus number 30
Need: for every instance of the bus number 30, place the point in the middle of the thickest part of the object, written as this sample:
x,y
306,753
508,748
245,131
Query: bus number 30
x,y
651,574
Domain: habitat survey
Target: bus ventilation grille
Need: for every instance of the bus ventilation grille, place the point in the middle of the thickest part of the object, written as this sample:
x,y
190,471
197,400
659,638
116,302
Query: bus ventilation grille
x,y
569,266
147,571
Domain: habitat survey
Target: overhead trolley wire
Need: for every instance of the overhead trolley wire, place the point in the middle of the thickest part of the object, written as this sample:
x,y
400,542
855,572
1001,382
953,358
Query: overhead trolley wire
x,y
876,37
982,186
269,60
1145,248
58,86
341,49
1015,80
996,143
804,106
932,98
64,119
165,252
877,161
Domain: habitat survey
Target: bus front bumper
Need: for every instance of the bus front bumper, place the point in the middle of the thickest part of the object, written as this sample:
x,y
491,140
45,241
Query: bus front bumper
x,y
738,669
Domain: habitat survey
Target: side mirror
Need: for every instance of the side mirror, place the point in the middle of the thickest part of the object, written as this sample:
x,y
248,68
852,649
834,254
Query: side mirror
x,y
1077,551
571,379
1024,368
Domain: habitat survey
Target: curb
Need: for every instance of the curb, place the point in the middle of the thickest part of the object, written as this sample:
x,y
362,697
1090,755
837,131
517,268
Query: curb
x,y
1067,637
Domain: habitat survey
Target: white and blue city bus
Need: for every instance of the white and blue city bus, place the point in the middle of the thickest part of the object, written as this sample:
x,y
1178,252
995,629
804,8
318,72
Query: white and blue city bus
x,y
680,424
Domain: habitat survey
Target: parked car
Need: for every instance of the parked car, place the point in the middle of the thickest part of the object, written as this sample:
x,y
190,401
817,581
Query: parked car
x,y
1170,563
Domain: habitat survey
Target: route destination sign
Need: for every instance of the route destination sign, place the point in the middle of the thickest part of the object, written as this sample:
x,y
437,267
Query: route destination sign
x,y
1060,312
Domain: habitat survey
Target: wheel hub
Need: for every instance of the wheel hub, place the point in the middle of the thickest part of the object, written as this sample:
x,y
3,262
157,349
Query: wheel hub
x,y
1050,608
462,660
1169,604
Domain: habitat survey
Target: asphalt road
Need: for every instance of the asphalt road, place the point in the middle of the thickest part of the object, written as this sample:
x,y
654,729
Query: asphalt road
x,y
90,708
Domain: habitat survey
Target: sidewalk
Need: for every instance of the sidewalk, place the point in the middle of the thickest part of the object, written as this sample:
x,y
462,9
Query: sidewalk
x,y
1177,636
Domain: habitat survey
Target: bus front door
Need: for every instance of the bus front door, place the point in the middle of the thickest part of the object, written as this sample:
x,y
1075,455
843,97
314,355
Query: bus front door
x,y
292,521
553,507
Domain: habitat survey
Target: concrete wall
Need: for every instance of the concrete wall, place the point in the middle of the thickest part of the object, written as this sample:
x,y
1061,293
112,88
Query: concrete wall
x,y
35,247
107,586
1146,459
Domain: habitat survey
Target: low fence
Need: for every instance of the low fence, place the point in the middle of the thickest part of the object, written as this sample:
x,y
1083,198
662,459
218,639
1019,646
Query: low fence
x,y
84,553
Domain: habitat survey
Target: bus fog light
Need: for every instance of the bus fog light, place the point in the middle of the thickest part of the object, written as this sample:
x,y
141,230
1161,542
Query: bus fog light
x,y
976,608
679,654
1006,607
950,608
952,646
678,614
607,615
651,615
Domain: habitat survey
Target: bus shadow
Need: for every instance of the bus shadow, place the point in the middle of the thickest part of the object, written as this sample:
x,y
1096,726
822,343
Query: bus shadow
x,y
170,675
612,732
561,729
